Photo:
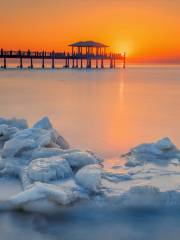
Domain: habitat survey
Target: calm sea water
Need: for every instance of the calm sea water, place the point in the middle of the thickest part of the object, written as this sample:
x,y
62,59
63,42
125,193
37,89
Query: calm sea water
x,y
107,111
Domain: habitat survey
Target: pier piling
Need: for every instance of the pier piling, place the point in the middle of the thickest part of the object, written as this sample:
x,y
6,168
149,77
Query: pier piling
x,y
31,63
102,63
53,63
5,63
43,59
21,62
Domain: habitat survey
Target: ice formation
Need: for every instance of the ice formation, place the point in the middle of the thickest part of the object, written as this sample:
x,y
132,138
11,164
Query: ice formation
x,y
89,177
160,152
51,173
46,167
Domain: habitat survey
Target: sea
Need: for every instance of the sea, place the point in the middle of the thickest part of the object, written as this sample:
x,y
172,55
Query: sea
x,y
107,111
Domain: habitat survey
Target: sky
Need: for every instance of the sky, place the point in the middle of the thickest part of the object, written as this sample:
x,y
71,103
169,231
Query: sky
x,y
147,30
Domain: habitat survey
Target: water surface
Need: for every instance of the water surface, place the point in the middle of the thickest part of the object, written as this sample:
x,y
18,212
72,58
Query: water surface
x,y
107,111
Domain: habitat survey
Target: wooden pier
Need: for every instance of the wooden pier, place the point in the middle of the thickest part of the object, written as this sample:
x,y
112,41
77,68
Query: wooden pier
x,y
80,51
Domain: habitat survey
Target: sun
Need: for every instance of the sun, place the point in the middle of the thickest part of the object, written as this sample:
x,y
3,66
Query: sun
x,y
123,47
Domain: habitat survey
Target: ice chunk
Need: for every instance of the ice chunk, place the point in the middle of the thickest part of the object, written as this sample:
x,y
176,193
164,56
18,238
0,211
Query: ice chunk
x,y
15,146
57,139
14,122
89,177
160,152
6,133
42,137
46,169
78,160
26,140
116,177
165,144
43,123
41,191
44,152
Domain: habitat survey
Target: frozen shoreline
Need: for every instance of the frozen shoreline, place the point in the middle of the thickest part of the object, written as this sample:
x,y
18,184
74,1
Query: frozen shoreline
x,y
47,174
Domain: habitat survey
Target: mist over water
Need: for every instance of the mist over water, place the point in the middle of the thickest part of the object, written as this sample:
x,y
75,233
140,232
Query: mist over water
x,y
106,111
91,223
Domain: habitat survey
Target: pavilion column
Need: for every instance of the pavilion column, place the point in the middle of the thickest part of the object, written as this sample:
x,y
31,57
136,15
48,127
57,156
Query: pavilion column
x,y
72,50
111,61
100,51
114,65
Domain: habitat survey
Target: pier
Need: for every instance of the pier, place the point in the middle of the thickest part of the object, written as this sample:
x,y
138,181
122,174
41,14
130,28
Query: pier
x,y
81,52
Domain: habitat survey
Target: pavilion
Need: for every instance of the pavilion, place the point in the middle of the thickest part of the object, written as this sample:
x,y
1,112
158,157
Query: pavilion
x,y
88,47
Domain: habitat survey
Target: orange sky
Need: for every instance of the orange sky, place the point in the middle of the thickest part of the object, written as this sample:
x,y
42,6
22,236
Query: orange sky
x,y
148,30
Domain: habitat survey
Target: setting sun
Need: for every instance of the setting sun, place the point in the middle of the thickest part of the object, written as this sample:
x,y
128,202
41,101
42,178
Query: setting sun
x,y
123,47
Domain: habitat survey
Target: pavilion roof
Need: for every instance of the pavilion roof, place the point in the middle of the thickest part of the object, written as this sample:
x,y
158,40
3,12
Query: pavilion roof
x,y
87,44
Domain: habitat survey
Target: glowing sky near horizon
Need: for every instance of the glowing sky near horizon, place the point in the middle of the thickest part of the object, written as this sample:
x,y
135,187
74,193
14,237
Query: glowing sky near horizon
x,y
144,29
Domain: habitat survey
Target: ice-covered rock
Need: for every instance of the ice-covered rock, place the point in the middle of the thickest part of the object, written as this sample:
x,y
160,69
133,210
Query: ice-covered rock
x,y
160,152
14,122
47,169
78,160
89,177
